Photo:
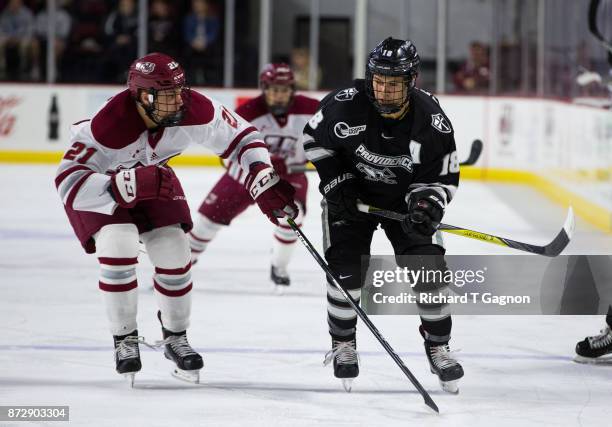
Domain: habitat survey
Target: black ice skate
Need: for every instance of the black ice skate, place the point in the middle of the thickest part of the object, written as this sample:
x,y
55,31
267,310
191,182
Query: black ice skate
x,y
346,361
127,355
280,279
442,363
595,349
178,349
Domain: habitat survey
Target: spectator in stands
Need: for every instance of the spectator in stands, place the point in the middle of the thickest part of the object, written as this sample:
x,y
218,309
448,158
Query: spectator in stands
x,y
200,32
86,42
63,22
163,32
16,30
121,30
300,64
473,75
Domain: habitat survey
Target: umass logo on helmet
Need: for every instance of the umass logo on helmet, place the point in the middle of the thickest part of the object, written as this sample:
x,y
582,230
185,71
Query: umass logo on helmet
x,y
145,67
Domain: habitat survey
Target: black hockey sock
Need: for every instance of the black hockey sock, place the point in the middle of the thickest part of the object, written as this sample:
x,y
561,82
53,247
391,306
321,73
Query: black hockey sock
x,y
342,330
437,331
609,316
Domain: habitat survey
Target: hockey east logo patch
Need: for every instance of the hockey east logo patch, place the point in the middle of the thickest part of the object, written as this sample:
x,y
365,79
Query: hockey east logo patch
x,y
343,130
384,161
346,94
439,122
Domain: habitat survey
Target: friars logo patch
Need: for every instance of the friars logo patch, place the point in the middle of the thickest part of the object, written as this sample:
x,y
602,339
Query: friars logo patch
x,y
376,175
145,67
346,94
440,123
342,130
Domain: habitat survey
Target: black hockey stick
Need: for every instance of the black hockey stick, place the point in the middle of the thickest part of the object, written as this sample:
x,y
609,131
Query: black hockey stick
x,y
552,249
475,151
593,6
364,317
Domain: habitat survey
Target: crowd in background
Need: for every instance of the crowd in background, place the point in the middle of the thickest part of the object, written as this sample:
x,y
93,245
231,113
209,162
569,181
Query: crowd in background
x,y
96,40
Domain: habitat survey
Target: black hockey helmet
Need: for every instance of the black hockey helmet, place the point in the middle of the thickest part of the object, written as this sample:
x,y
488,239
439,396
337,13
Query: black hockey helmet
x,y
392,58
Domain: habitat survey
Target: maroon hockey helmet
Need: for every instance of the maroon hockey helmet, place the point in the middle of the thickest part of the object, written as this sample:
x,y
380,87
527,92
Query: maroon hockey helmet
x,y
277,74
153,73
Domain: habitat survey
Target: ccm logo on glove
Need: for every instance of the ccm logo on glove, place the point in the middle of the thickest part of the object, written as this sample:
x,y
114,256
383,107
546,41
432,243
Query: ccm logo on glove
x,y
273,194
126,188
264,179
130,186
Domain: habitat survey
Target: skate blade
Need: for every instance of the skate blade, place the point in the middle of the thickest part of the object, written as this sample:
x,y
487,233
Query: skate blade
x,y
347,383
451,387
601,360
129,377
188,376
279,289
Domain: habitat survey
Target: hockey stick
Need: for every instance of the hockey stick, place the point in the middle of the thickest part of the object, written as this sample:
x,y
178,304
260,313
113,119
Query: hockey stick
x,y
364,317
475,151
593,6
552,249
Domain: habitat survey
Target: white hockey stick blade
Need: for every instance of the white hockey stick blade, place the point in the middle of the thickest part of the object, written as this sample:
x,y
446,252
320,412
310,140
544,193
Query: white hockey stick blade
x,y
588,77
570,223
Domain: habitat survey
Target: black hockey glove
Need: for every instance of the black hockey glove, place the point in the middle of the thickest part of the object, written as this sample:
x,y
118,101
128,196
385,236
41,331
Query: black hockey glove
x,y
425,210
341,196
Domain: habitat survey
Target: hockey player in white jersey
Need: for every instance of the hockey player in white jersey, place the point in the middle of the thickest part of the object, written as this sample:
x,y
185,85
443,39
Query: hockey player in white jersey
x,y
117,190
280,115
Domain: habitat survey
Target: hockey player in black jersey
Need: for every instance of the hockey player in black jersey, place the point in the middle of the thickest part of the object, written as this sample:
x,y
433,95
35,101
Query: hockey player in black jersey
x,y
388,144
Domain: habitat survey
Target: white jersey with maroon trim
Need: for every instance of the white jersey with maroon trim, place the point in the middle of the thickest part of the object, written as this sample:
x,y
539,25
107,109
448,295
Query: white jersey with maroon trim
x,y
283,135
117,138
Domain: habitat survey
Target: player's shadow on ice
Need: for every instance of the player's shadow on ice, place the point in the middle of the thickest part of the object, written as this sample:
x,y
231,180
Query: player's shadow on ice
x,y
173,384
276,387
260,291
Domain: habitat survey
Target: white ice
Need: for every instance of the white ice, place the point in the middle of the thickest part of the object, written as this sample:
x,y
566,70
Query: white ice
x,y
263,353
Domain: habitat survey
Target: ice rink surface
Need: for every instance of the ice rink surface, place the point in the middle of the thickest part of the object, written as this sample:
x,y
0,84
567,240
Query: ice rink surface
x,y
263,353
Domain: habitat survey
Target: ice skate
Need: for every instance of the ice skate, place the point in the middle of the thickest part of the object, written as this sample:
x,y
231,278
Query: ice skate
x,y
127,355
346,361
177,349
442,363
595,349
280,280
